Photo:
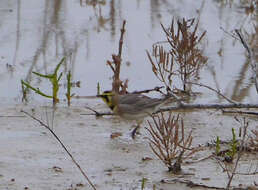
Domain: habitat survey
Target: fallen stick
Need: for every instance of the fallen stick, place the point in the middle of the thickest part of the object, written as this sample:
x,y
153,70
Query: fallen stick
x,y
207,106
183,106
63,146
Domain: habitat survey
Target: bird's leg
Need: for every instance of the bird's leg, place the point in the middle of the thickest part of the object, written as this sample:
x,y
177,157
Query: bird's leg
x,y
134,131
139,122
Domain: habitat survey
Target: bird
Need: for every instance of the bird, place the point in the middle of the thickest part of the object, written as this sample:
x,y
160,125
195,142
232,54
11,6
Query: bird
x,y
132,106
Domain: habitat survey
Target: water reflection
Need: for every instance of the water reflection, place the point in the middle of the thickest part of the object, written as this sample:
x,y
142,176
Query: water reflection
x,y
17,43
34,36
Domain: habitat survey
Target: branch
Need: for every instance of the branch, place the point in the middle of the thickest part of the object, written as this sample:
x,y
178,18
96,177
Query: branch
x,y
63,146
189,183
243,42
217,91
251,57
121,40
252,173
109,63
117,61
200,160
241,112
149,90
241,148
223,167
97,114
182,106
206,106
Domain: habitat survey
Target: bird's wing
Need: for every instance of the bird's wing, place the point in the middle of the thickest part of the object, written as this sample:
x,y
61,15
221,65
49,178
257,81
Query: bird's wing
x,y
138,102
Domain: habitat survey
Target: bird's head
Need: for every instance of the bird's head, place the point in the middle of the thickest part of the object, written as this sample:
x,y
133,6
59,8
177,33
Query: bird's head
x,y
107,97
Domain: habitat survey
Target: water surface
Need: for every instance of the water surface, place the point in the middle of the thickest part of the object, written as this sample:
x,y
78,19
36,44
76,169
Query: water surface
x,y
35,35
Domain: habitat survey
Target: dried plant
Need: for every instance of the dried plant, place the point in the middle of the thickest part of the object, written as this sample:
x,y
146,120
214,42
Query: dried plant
x,y
115,66
47,126
163,66
183,58
168,141
244,125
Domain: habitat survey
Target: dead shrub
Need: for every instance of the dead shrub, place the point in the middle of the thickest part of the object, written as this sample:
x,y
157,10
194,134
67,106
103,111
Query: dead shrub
x,y
183,58
168,141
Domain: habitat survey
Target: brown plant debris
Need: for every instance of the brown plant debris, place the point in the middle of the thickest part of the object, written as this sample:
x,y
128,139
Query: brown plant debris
x,y
115,135
254,140
168,141
183,57
116,64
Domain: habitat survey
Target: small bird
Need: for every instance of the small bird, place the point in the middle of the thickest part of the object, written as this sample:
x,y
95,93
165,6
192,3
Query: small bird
x,y
132,106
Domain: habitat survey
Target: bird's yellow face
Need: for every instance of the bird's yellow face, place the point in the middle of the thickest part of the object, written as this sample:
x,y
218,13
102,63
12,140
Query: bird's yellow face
x,y
107,97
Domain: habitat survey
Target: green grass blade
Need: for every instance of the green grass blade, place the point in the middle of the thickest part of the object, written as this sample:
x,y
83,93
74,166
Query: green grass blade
x,y
37,90
44,76
58,66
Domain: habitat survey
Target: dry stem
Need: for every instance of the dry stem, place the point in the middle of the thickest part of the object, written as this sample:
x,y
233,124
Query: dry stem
x,y
168,142
63,146
217,91
116,64
251,57
183,59
241,149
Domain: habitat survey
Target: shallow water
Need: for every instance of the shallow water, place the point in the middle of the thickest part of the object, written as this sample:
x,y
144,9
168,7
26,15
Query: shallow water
x,y
34,36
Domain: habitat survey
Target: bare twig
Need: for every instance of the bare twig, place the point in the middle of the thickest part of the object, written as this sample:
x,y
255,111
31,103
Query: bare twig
x,y
252,173
121,40
63,146
168,141
223,167
183,59
245,125
149,90
98,114
109,63
189,183
217,91
117,62
238,32
230,34
200,160
184,106
254,141
251,57
241,112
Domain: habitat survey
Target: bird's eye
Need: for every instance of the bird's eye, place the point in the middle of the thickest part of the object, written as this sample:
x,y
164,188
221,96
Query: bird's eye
x,y
106,98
